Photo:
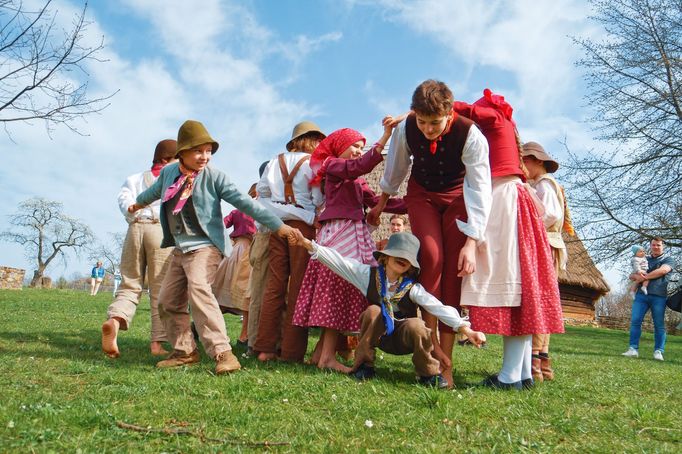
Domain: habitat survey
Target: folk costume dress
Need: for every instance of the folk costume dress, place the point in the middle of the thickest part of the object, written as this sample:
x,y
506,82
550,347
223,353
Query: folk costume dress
x,y
231,286
326,300
448,197
514,290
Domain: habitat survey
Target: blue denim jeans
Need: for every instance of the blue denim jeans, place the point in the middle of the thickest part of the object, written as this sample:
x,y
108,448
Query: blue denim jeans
x,y
640,306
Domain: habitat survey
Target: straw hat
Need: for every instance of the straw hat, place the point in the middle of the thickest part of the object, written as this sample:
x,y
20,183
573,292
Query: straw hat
x,y
302,129
535,149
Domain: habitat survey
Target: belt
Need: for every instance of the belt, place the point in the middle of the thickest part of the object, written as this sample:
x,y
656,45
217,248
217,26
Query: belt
x,y
285,203
145,221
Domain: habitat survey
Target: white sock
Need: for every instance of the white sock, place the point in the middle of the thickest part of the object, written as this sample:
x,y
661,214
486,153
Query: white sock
x,y
526,372
514,348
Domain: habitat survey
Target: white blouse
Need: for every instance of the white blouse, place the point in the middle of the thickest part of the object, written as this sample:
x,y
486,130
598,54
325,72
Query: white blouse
x,y
132,187
554,211
477,181
358,274
270,190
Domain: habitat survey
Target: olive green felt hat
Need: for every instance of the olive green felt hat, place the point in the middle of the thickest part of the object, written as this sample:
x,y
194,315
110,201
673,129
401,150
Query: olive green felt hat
x,y
303,128
192,134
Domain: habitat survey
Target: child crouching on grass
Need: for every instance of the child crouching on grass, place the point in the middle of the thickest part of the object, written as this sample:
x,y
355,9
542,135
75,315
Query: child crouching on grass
x,y
391,322
191,193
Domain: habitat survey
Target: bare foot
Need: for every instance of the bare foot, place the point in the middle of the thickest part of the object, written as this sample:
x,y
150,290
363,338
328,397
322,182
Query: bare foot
x,y
157,349
447,374
109,334
333,364
265,357
346,355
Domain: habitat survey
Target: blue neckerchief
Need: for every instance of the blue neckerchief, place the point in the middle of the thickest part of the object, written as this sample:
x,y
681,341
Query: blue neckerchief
x,y
404,285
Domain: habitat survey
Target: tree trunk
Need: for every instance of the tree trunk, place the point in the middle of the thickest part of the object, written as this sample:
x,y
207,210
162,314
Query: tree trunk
x,y
37,281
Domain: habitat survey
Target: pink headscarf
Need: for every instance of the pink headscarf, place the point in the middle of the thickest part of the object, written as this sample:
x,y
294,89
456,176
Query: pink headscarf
x,y
331,147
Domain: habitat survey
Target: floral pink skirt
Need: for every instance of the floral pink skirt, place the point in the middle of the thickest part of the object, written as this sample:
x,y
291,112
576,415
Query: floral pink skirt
x,y
326,300
540,309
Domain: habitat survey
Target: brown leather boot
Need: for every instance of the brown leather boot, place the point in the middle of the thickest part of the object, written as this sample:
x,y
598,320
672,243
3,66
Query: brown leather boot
x,y
546,366
536,369
226,362
177,359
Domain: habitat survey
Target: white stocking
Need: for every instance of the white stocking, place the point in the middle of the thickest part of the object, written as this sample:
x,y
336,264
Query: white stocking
x,y
514,358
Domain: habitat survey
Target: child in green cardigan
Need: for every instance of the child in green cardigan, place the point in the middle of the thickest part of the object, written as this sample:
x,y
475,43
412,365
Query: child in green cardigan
x,y
192,221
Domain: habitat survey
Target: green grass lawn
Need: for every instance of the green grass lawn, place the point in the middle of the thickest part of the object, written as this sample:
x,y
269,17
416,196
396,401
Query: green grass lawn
x,y
61,394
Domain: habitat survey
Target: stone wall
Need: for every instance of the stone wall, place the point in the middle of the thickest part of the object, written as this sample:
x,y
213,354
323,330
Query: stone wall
x,y
11,278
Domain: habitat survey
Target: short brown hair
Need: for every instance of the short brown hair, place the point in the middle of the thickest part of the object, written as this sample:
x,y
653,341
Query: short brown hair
x,y
657,238
412,273
432,97
307,142
402,217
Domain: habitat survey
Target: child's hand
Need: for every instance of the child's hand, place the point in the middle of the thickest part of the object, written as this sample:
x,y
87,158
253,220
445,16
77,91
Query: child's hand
x,y
133,208
288,232
441,357
467,258
302,241
475,337
392,122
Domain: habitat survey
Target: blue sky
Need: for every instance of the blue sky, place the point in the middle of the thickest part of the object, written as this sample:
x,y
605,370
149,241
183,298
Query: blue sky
x,y
250,70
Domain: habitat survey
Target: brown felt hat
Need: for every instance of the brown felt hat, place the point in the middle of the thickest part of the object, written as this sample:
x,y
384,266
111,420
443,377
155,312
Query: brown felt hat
x,y
303,128
535,149
192,134
166,149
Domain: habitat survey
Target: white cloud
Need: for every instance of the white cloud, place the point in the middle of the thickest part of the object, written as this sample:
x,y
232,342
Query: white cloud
x,y
211,69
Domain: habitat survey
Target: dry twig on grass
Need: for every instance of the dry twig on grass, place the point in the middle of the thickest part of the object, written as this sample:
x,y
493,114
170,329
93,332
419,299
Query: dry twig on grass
x,y
200,435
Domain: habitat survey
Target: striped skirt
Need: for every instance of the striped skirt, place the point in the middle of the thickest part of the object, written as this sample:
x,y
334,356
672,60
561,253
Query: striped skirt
x,y
325,299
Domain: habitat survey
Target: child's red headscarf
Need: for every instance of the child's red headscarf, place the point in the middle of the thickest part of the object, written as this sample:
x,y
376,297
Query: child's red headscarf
x,y
496,102
331,147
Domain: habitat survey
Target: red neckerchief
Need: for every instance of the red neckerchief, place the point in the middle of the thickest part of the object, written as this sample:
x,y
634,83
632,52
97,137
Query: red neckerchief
x,y
433,146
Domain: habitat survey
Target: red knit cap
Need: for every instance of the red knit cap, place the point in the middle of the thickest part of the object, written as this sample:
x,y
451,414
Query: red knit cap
x,y
331,147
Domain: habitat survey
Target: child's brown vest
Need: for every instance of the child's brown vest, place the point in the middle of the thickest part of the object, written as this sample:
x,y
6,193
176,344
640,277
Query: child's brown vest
x,y
406,308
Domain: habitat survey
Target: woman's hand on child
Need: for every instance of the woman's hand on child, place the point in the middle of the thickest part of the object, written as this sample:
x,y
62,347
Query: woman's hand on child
x,y
466,263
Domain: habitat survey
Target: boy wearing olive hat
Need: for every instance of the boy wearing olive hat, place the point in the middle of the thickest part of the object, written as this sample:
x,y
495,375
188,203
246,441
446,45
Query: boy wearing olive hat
x,y
141,256
391,322
191,218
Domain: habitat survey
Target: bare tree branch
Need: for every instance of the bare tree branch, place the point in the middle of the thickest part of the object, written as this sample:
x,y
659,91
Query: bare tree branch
x,y
43,71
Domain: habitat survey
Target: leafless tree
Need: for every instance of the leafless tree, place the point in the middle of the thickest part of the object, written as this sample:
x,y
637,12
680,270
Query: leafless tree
x,y
109,252
46,233
631,190
42,67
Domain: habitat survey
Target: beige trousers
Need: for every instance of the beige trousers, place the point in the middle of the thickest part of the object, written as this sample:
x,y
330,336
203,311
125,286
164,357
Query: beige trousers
x,y
409,336
259,257
141,257
189,278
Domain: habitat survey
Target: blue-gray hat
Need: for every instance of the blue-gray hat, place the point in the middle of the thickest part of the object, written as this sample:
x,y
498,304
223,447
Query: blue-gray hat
x,y
403,245
635,249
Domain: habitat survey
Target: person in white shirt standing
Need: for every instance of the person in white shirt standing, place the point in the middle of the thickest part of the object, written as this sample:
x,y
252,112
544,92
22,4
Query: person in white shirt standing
x,y
142,256
284,189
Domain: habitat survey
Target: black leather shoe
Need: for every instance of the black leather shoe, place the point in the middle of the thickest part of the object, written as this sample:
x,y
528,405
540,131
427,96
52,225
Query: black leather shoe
x,y
364,372
435,381
528,383
494,382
